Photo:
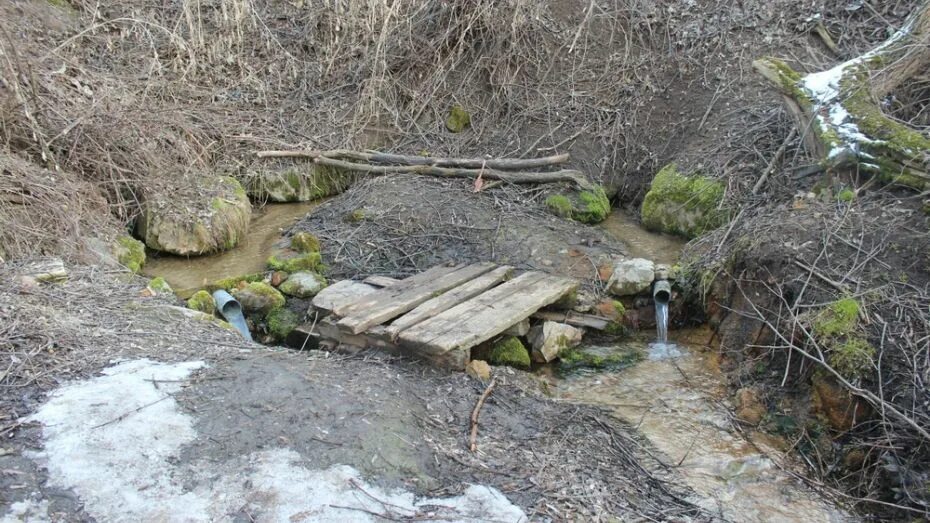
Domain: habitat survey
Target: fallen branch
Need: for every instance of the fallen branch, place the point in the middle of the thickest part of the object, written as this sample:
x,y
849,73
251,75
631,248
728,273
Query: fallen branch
x,y
566,175
473,441
774,162
506,164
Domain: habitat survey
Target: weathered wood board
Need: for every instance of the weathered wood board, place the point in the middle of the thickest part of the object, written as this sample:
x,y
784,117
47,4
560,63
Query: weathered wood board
x,y
449,299
487,315
390,302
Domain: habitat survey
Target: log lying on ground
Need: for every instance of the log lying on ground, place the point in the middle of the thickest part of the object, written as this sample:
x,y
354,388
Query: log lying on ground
x,y
504,169
839,109
505,164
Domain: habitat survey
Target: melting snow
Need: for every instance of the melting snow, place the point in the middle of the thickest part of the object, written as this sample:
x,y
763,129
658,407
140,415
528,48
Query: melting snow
x,y
114,440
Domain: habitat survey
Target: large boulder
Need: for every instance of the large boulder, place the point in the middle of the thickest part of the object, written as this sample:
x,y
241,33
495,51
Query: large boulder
x,y
548,339
195,215
301,182
683,205
631,277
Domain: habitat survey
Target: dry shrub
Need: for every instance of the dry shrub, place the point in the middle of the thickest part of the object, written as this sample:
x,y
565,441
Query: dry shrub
x,y
44,212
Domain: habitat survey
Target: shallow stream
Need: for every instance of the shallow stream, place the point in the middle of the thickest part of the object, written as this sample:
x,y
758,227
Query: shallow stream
x,y
186,275
675,397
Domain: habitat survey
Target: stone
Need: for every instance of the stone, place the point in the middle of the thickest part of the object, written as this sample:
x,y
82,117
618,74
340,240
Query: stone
x,y
458,119
478,369
159,285
281,322
202,301
200,216
259,297
684,205
48,270
305,242
749,407
587,206
510,351
303,182
519,329
631,277
303,284
550,338
277,278
129,252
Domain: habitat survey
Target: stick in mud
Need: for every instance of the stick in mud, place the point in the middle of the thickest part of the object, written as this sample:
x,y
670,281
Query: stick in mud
x,y
473,440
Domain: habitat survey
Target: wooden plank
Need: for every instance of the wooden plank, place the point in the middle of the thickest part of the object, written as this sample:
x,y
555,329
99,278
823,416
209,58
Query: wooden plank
x,y
481,318
412,282
391,302
381,281
440,303
341,293
378,338
574,319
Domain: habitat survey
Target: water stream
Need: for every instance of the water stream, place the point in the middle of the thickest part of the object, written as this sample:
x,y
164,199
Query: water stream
x,y
268,223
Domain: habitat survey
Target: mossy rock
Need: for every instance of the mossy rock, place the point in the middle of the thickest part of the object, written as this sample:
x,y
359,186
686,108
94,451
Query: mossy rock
x,y
159,285
303,284
233,282
511,352
281,322
259,297
589,206
202,301
599,357
306,181
458,119
311,261
217,219
684,205
854,358
305,242
130,253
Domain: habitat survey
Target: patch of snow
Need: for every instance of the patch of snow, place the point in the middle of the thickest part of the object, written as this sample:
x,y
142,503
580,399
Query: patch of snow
x,y
27,511
113,440
823,87
110,438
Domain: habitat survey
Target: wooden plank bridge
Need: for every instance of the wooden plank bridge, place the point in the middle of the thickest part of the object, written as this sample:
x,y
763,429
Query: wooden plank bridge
x,y
439,314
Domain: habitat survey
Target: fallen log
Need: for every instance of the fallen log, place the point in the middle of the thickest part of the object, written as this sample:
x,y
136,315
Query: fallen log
x,y
566,175
505,164
840,107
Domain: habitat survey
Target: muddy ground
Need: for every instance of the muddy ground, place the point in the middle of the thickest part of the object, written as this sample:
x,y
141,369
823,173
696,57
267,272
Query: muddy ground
x,y
401,424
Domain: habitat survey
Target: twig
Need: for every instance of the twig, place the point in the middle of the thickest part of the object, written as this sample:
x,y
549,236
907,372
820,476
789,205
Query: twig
x,y
473,440
774,161
124,415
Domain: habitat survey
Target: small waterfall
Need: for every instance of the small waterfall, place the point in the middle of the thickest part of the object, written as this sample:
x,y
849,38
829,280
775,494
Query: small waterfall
x,y
661,321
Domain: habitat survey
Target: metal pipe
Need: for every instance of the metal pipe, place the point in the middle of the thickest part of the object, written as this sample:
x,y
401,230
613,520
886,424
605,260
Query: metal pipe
x,y
662,291
229,308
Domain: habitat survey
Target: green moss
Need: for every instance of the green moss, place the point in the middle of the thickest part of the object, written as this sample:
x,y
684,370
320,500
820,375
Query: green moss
x,y
560,205
840,318
846,195
595,206
231,283
202,301
619,308
281,322
310,261
615,358
458,119
130,253
683,205
586,206
510,351
217,203
853,358
305,242
355,216
160,285
274,296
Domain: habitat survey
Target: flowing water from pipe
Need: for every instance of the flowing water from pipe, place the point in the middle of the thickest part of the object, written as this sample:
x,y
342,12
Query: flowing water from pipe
x,y
661,321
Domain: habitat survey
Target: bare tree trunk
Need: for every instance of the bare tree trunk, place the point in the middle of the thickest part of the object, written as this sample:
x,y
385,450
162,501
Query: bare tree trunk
x,y
839,109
